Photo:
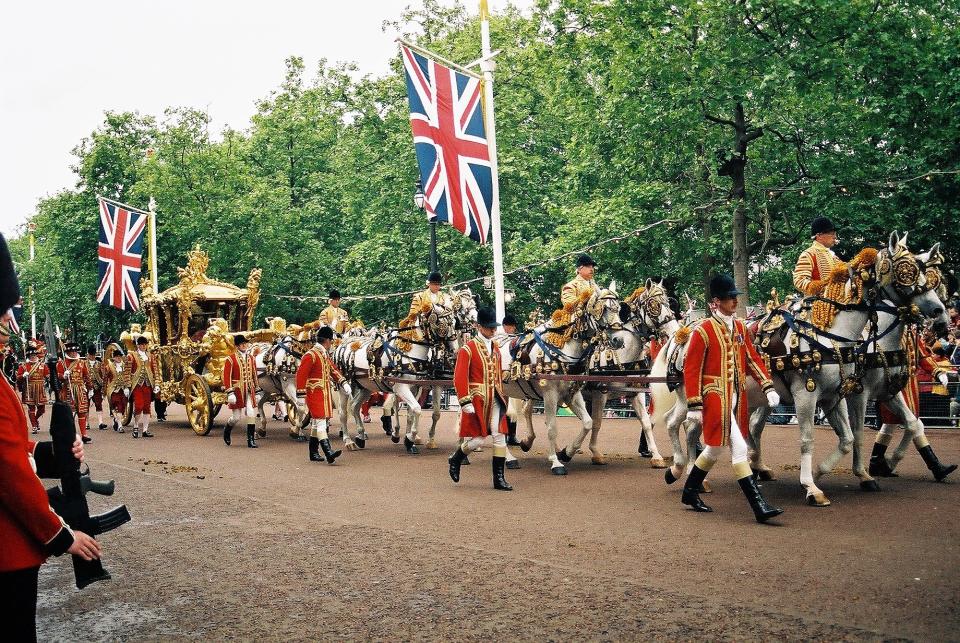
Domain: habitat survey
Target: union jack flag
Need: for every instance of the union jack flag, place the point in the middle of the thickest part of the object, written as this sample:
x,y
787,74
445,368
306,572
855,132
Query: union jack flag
x,y
121,247
446,115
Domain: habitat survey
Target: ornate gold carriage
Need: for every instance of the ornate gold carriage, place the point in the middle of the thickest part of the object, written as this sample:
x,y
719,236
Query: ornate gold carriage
x,y
191,327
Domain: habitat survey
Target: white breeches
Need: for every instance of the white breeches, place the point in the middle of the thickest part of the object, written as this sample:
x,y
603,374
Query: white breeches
x,y
738,446
246,412
499,439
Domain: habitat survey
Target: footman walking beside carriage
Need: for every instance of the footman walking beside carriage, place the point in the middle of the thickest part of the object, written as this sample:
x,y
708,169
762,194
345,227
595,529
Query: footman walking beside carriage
x,y
317,376
142,379
240,381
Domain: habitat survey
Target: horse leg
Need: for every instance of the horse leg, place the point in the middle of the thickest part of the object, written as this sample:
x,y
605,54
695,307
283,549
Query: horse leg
x,y
343,412
674,419
639,406
404,392
356,402
599,402
435,418
386,416
524,409
840,421
579,408
806,406
856,412
758,420
551,400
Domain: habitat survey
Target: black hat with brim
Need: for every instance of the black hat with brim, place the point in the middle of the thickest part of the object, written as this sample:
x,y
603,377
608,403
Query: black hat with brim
x,y
487,317
509,320
585,260
142,340
71,346
239,339
723,287
91,349
334,294
434,278
820,225
325,333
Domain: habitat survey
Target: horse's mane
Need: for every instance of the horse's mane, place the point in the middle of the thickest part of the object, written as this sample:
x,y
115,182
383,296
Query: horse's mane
x,y
632,297
841,288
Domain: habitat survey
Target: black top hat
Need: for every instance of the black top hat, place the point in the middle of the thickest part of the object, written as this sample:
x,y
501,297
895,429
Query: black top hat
x,y
71,346
434,278
334,294
325,332
142,340
487,317
91,349
509,320
9,286
31,349
585,260
117,353
723,287
821,225
239,339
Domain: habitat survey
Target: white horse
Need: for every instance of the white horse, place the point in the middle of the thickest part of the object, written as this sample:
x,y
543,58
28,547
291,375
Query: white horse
x,y
425,350
590,327
277,378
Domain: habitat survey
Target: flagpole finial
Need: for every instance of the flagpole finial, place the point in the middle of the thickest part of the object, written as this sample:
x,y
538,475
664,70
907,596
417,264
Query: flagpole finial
x,y
152,206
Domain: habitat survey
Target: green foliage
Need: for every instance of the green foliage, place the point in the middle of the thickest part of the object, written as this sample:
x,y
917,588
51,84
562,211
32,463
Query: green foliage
x,y
602,128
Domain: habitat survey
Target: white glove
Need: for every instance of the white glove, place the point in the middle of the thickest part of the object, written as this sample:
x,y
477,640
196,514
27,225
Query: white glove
x,y
468,408
126,392
90,394
347,390
232,398
772,398
695,416
943,378
156,389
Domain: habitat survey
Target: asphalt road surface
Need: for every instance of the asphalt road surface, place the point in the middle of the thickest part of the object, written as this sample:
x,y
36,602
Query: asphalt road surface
x,y
234,543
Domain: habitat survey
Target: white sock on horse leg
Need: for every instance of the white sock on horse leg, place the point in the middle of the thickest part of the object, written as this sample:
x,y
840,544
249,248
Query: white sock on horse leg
x,y
806,469
886,433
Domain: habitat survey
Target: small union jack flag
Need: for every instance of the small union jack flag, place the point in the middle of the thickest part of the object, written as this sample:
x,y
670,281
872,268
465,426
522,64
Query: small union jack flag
x,y
121,247
446,115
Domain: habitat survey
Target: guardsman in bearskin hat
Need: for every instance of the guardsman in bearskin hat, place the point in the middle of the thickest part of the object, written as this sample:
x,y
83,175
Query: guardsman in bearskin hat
x,y
75,382
334,316
573,291
720,357
29,528
95,368
141,380
113,384
478,380
816,262
919,357
430,297
318,376
32,376
240,380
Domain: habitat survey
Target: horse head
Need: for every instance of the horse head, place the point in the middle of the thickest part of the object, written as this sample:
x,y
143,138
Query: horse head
x,y
650,306
912,280
464,308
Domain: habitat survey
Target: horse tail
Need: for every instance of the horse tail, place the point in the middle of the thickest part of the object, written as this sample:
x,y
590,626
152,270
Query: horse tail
x,y
663,398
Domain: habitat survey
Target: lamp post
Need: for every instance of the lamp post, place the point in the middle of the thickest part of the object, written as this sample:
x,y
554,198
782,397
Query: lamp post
x,y
419,199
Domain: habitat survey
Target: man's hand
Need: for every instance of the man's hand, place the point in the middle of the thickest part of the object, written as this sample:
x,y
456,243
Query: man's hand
x,y
84,546
773,398
944,380
468,408
347,390
232,398
126,392
695,416
78,449
156,389
90,394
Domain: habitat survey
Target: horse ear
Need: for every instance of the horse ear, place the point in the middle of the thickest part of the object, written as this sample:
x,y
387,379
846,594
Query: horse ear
x,y
648,284
903,239
893,242
932,252
624,312
613,286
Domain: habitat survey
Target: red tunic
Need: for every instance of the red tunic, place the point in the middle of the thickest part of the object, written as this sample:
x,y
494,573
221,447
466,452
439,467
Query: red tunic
x,y
35,375
240,378
74,391
29,529
141,375
478,379
316,375
919,358
715,370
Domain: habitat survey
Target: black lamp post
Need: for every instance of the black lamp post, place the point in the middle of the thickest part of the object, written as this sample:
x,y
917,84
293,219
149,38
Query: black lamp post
x,y
418,198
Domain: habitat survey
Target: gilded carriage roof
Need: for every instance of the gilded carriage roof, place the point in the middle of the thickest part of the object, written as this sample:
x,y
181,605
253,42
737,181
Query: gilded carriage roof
x,y
195,283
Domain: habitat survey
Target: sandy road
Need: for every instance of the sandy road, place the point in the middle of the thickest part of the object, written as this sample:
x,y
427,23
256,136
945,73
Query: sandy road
x,y
232,543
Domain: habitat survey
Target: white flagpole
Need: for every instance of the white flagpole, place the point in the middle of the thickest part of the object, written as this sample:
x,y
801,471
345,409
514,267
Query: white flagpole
x,y
32,228
152,225
487,65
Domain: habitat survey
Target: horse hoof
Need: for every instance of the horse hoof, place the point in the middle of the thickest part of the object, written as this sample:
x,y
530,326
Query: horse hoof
x,y
562,456
526,445
765,475
395,439
409,445
869,485
705,487
658,463
817,500
598,460
558,471
432,444
350,446
261,433
669,477
360,442
513,464
418,441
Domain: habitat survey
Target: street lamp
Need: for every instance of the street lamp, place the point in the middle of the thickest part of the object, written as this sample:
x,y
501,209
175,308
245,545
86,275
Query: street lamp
x,y
419,199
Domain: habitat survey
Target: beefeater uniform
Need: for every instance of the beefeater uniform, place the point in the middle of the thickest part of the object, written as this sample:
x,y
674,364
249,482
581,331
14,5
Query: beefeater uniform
x,y
814,266
316,376
240,379
75,382
919,357
32,377
113,384
95,368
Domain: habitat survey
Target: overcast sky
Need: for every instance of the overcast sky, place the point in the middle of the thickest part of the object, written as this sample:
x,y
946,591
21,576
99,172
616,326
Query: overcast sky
x,y
64,63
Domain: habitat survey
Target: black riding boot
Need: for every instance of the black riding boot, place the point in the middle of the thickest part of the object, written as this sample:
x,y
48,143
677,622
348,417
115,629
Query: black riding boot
x,y
643,450
455,460
328,451
499,483
314,445
226,433
691,490
512,433
251,437
761,510
933,463
878,462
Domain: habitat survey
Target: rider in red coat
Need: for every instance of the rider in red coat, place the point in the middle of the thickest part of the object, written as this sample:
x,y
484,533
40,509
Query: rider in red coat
x,y
719,358
317,376
477,378
240,381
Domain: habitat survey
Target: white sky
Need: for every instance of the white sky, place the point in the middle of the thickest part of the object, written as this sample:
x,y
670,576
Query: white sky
x,y
64,63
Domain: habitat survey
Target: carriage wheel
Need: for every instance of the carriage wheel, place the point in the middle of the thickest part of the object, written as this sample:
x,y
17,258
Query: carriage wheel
x,y
196,400
128,413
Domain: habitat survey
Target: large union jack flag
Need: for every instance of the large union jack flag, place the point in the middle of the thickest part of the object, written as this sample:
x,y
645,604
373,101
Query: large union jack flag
x,y
120,251
451,145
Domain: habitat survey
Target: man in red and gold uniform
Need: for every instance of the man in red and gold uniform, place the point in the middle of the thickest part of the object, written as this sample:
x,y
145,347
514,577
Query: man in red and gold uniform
x,y
113,383
478,379
29,529
919,358
141,380
95,368
816,262
720,356
75,382
32,376
240,381
318,376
